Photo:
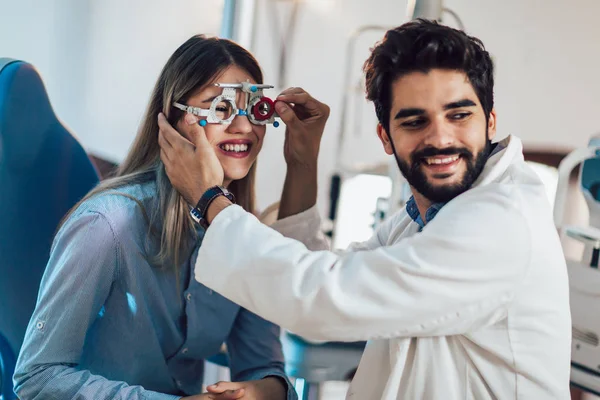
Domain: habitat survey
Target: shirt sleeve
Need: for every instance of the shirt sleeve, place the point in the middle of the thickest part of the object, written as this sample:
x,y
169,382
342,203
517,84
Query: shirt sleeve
x,y
255,351
458,274
305,227
83,265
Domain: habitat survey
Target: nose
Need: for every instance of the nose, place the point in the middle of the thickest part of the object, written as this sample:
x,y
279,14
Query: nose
x,y
240,125
439,134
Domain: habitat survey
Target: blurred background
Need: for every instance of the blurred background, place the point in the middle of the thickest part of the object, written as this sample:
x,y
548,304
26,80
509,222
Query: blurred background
x,y
99,61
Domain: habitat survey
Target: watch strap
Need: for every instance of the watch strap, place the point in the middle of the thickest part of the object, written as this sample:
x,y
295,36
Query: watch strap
x,y
198,213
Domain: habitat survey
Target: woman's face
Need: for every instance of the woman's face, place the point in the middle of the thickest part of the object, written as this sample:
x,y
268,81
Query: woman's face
x,y
236,144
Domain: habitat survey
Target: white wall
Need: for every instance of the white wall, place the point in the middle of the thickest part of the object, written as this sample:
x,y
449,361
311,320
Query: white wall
x,y
316,62
131,42
546,52
100,59
51,35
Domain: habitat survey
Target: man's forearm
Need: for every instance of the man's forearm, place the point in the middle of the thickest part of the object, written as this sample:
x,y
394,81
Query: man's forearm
x,y
299,191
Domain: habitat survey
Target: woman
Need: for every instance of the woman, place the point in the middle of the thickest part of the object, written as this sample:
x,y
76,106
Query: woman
x,y
119,315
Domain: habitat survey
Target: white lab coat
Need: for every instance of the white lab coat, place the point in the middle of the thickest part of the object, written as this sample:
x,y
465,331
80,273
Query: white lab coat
x,y
475,306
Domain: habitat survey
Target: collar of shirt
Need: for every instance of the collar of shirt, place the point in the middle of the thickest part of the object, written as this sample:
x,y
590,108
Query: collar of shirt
x,y
413,211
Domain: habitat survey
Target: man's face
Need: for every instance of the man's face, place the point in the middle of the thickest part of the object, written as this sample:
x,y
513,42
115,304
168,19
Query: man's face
x,y
438,132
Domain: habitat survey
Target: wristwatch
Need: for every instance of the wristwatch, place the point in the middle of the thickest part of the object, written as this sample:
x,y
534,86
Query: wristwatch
x,y
198,213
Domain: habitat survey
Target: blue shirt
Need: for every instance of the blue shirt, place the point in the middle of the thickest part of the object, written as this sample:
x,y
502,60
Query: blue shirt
x,y
413,212
108,325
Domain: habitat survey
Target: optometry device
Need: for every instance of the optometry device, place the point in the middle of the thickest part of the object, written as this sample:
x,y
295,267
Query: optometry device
x,y
259,109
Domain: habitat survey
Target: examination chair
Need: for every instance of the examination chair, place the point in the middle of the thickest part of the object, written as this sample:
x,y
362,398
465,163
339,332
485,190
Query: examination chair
x,y
584,276
44,172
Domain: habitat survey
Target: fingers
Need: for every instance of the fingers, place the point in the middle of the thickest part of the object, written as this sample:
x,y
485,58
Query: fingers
x,y
292,90
162,141
221,387
226,390
170,137
287,114
307,104
303,99
195,132
164,156
228,395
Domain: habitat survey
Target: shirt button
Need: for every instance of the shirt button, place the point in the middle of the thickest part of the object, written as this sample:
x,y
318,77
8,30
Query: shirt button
x,y
40,325
184,351
210,291
188,297
178,383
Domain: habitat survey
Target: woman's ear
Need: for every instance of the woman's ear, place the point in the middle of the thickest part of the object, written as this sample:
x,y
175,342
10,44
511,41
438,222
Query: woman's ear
x,y
385,139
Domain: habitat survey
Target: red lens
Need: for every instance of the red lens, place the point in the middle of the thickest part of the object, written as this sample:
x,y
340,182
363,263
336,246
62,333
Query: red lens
x,y
263,109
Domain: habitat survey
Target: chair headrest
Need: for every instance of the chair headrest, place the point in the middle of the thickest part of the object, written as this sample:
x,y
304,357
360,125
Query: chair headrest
x,y
25,113
590,172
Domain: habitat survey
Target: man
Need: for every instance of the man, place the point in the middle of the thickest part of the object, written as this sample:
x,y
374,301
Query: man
x,y
463,294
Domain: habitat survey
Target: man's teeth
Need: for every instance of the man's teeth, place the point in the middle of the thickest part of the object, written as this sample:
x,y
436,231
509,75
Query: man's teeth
x,y
441,161
236,148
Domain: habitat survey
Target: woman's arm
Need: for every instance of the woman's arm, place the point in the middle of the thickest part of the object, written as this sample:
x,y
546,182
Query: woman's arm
x,y
83,265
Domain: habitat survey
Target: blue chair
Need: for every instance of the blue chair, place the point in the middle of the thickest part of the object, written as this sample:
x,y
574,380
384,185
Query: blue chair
x,y
44,171
7,368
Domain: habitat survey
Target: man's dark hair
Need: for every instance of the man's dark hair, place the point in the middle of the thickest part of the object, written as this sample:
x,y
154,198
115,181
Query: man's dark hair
x,y
422,45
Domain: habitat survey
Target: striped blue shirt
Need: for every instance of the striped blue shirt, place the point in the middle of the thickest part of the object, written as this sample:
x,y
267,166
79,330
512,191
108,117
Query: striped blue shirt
x,y
108,325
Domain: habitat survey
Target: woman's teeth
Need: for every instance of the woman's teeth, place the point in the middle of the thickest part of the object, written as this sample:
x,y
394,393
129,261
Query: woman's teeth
x,y
236,148
441,161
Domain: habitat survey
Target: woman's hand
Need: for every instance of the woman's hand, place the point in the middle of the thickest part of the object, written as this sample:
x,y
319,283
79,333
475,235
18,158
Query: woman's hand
x,y
192,165
269,388
305,119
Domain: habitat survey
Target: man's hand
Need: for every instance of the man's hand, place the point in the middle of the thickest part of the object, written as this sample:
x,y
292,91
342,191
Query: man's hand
x,y
192,165
305,119
270,388
305,122
225,395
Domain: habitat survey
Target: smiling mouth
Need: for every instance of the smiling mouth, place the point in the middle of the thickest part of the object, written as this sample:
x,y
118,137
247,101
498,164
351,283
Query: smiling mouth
x,y
441,167
235,148
441,161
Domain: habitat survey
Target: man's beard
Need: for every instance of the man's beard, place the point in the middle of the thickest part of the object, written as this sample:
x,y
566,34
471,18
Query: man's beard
x,y
441,193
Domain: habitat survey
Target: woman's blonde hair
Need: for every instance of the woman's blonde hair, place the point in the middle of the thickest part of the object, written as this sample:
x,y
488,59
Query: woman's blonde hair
x,y
194,65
